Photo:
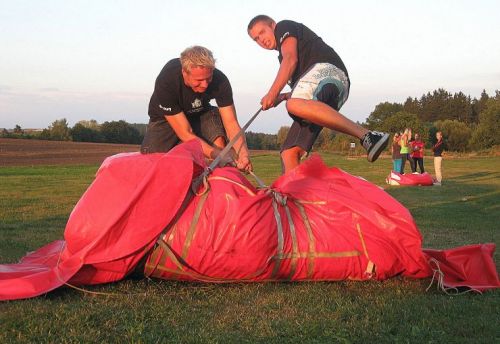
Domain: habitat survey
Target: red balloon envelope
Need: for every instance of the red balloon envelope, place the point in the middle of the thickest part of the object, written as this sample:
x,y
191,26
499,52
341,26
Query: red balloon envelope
x,y
416,179
315,223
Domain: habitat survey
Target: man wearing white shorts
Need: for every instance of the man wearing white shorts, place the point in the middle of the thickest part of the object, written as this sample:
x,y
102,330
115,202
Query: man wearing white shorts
x,y
320,86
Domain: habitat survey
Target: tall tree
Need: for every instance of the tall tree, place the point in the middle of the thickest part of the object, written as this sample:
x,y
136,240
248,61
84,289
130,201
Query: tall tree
x,y
401,120
120,132
282,133
412,105
381,112
486,133
59,130
456,134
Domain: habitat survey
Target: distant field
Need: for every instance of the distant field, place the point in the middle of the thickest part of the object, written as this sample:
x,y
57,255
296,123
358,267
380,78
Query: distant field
x,y
36,200
19,152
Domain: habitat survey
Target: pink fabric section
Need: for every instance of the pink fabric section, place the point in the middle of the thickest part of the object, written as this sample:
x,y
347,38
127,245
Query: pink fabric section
x,y
122,213
469,266
416,179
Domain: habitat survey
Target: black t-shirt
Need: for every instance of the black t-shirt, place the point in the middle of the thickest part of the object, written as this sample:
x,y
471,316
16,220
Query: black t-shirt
x,y
310,48
438,148
172,96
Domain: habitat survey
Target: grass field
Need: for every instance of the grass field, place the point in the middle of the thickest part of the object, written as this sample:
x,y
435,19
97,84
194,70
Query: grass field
x,y
35,202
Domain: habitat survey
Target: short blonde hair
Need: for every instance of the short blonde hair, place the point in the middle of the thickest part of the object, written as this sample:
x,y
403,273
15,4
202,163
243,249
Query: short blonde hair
x,y
197,56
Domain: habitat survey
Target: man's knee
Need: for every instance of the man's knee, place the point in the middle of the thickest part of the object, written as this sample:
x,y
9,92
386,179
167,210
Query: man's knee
x,y
290,158
329,94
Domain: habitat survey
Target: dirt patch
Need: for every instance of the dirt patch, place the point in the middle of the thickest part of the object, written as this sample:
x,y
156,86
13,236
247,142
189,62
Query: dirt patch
x,y
19,152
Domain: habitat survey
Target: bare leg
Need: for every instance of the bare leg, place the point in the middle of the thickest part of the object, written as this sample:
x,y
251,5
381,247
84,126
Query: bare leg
x,y
291,158
321,114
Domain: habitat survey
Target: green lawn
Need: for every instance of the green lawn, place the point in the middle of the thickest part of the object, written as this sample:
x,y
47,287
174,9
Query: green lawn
x,y
35,203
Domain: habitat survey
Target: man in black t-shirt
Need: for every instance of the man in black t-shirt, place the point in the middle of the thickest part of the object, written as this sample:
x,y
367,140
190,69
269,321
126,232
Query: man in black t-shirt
x,y
180,109
320,86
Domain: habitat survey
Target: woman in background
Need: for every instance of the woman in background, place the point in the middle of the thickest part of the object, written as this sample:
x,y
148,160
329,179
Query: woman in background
x,y
396,153
405,149
438,157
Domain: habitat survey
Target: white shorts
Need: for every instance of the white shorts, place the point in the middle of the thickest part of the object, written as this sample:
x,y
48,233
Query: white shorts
x,y
320,74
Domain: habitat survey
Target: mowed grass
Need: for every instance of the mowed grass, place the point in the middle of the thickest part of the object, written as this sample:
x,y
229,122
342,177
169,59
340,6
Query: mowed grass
x,y
35,203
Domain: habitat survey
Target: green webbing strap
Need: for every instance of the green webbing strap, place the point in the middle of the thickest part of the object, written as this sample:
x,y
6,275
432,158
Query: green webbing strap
x,y
312,245
192,227
295,246
278,257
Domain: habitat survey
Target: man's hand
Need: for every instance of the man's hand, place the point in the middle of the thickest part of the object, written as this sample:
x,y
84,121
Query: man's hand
x,y
270,100
243,164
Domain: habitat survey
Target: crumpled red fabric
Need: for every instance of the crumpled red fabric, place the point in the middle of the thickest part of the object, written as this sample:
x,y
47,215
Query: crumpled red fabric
x,y
415,179
315,223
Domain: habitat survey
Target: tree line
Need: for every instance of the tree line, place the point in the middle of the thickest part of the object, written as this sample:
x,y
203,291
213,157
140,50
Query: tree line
x,y
466,123
84,131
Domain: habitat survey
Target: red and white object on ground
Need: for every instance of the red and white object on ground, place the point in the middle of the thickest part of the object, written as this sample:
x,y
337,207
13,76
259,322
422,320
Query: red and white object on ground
x,y
416,179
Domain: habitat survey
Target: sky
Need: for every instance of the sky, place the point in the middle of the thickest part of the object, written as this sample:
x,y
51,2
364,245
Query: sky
x,y
98,59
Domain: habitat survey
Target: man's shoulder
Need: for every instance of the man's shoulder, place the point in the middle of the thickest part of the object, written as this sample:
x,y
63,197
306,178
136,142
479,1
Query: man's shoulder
x,y
171,68
219,76
285,22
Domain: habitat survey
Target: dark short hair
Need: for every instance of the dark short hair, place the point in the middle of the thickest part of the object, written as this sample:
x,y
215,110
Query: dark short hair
x,y
260,18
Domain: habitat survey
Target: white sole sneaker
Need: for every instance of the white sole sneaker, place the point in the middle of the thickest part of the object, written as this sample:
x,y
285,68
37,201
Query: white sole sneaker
x,y
378,148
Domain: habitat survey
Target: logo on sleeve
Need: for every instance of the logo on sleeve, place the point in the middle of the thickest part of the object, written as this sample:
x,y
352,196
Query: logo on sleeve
x,y
164,108
285,35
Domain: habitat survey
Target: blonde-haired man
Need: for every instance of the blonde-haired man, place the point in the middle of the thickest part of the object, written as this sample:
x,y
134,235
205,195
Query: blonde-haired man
x,y
180,109
320,86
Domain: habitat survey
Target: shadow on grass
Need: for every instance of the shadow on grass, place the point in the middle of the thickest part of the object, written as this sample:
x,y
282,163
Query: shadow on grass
x,y
20,238
477,175
455,213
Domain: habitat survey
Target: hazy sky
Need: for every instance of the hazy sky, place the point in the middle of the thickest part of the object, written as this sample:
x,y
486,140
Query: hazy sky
x,y
98,59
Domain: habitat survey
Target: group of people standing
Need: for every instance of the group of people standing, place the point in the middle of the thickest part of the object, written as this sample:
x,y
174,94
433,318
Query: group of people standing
x,y
404,149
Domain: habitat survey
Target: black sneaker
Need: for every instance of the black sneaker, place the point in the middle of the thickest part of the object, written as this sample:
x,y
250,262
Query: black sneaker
x,y
374,142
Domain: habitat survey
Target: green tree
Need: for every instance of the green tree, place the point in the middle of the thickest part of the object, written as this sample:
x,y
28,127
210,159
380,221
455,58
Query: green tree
x,y
268,141
478,105
120,132
381,113
486,133
282,133
401,120
59,130
91,124
253,140
412,105
456,134
325,139
82,133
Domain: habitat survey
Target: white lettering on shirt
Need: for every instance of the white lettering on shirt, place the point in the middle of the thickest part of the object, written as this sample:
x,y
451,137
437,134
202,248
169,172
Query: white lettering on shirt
x,y
285,35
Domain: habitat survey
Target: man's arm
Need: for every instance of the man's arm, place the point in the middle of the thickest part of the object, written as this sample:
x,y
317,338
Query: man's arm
x,y
287,68
232,127
184,132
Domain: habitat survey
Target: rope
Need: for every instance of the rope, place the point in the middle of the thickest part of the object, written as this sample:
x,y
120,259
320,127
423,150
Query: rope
x,y
438,275
73,286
